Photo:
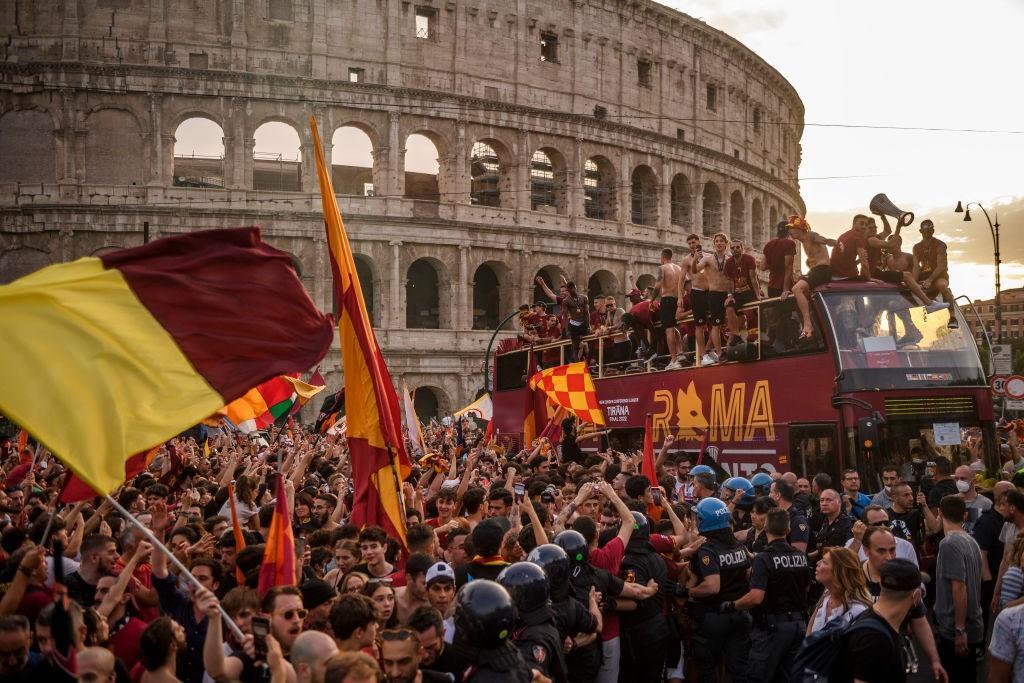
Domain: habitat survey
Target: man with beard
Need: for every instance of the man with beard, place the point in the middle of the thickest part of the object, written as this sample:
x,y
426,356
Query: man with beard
x,y
324,505
401,658
436,655
99,553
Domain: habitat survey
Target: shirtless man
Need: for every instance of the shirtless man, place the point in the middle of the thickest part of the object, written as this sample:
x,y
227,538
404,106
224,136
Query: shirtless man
x,y
930,265
819,272
667,287
713,309
897,261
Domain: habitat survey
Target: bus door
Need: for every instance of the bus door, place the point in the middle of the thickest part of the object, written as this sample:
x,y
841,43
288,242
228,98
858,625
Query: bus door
x,y
814,448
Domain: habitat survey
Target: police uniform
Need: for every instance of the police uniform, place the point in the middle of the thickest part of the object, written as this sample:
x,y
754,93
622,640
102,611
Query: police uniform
x,y
717,634
783,573
835,533
740,519
584,663
541,647
799,527
644,632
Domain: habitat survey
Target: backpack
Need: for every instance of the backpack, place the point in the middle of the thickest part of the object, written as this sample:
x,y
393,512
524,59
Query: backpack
x,y
822,651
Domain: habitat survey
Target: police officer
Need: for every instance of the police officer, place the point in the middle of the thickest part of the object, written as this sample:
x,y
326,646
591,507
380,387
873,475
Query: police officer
x,y
782,493
762,483
535,634
778,602
738,494
579,622
702,485
484,619
645,632
718,574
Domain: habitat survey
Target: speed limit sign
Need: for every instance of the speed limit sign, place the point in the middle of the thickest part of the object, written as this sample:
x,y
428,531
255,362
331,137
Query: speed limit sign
x,y
998,384
1014,387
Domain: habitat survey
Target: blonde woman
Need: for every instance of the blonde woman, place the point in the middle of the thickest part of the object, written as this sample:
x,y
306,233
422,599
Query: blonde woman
x,y
1012,587
846,592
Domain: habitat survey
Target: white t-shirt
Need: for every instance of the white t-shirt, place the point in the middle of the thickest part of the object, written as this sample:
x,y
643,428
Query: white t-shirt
x,y
904,550
822,616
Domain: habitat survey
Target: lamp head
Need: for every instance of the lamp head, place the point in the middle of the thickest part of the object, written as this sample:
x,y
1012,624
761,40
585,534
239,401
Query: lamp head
x,y
959,207
967,215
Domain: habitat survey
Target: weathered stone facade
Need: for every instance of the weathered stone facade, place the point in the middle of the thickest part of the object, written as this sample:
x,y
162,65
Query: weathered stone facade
x,y
684,128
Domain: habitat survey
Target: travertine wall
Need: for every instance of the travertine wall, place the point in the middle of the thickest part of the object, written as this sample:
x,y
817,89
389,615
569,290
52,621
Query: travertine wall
x,y
92,92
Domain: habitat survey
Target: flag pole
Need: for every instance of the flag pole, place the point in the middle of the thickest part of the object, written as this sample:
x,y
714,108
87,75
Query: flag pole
x,y
151,537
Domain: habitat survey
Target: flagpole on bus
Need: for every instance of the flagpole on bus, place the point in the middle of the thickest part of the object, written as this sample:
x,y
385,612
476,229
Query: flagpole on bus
x,y
151,537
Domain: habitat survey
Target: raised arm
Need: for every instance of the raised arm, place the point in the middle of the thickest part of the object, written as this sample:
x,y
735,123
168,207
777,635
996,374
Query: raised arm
x,y
544,288
124,579
626,527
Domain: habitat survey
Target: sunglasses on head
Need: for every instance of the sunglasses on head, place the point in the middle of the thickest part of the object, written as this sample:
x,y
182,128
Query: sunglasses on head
x,y
381,582
290,614
396,634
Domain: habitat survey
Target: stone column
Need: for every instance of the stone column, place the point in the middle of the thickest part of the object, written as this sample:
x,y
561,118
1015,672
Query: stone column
x,y
624,194
70,28
458,181
322,277
308,163
522,172
748,221
581,277
318,47
239,36
463,318
166,177
397,286
157,172
574,180
698,210
65,170
396,157
248,146
665,200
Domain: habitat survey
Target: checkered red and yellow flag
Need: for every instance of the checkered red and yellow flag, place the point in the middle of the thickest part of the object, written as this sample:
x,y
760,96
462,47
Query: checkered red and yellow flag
x,y
570,387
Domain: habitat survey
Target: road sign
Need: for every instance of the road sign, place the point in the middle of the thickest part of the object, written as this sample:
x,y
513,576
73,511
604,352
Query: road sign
x,y
1002,359
1014,388
1013,405
998,384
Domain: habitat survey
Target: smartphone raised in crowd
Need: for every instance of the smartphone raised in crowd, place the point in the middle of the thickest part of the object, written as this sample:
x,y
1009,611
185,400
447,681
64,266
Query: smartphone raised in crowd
x,y
520,491
260,631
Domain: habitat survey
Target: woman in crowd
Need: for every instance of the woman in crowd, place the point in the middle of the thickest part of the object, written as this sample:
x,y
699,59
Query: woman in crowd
x,y
846,593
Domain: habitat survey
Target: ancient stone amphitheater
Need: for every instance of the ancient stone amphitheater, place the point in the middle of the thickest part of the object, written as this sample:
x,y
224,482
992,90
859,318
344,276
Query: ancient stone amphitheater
x,y
571,137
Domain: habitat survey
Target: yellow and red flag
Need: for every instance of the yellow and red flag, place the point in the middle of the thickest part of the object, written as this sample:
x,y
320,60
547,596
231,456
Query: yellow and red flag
x,y
373,420
236,531
647,465
570,387
278,568
126,350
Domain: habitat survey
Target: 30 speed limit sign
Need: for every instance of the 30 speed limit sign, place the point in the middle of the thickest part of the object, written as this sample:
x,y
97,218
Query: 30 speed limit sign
x,y
998,384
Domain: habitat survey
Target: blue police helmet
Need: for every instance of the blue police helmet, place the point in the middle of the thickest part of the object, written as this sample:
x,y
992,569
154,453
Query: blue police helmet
x,y
743,488
705,469
762,483
712,515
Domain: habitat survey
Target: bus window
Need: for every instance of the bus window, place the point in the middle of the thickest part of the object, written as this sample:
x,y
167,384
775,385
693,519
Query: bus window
x,y
511,370
780,330
813,449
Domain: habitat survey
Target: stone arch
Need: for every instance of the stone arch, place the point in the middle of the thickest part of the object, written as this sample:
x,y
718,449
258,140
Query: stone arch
x,y
491,176
27,147
427,295
548,180
712,203
737,215
114,149
430,402
277,156
644,196
198,152
553,277
353,150
644,281
603,283
681,201
773,218
599,184
19,262
760,230
424,152
492,294
369,282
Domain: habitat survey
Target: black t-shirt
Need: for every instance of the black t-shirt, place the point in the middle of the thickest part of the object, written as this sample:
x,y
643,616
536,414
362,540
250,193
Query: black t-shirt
x,y
871,655
908,525
476,570
986,532
836,533
80,590
782,572
573,618
875,589
946,487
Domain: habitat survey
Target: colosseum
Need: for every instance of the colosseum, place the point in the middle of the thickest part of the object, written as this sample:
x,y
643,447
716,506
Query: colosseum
x,y
567,138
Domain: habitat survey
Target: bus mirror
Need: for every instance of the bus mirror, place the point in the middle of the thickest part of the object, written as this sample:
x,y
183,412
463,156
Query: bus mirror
x,y
867,432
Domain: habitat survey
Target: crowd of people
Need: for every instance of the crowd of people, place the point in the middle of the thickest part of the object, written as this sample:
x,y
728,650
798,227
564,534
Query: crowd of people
x,y
700,306
550,563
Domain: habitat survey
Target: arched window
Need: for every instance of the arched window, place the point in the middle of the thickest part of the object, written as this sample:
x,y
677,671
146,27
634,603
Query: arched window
x,y
422,296
352,162
599,189
712,204
277,158
421,168
364,271
426,404
552,276
486,299
737,215
682,203
486,172
644,196
761,232
645,281
602,283
199,154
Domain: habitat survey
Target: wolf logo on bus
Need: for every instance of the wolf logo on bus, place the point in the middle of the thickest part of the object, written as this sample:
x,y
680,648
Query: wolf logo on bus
x,y
734,418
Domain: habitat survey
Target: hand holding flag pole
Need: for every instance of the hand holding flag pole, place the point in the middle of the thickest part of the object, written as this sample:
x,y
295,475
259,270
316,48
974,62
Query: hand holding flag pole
x,y
157,545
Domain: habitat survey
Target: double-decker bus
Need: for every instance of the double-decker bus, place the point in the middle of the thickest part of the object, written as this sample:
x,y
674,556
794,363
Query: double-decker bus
x,y
880,376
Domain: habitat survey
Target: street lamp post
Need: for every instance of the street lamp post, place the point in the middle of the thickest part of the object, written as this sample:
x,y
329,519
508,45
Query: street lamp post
x,y
994,229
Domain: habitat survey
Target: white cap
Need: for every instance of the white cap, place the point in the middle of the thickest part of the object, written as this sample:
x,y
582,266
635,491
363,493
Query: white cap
x,y
438,571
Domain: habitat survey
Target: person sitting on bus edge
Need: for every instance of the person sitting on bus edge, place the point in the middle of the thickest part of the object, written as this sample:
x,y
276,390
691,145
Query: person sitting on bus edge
x,y
741,269
849,259
669,283
930,264
895,260
712,266
779,255
819,268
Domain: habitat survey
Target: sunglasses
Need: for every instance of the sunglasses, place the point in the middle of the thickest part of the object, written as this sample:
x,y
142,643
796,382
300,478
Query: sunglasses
x,y
381,582
392,634
291,614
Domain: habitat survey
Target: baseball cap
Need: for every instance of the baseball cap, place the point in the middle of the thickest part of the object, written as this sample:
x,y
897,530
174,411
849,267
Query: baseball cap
x,y
440,571
900,575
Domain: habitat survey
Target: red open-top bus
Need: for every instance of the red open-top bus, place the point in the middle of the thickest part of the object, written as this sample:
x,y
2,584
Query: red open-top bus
x,y
877,360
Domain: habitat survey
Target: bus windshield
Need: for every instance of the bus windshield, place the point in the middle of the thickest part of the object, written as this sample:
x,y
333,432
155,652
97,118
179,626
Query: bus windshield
x,y
885,340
